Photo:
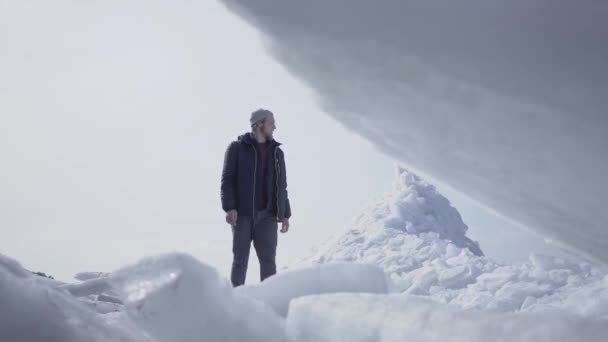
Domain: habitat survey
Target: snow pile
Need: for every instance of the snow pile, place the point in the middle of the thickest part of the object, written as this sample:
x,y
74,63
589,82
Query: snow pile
x,y
413,207
419,240
373,318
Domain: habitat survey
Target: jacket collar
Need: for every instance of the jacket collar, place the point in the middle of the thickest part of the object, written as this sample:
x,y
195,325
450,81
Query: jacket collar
x,y
249,139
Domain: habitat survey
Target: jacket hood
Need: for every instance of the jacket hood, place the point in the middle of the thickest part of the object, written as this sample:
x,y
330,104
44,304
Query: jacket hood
x,y
248,138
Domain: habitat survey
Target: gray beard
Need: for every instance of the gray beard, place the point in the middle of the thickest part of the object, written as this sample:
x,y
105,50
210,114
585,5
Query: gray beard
x,y
266,136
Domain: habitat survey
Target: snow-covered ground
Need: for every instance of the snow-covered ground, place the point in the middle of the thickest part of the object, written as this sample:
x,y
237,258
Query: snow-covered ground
x,y
405,269
371,318
176,298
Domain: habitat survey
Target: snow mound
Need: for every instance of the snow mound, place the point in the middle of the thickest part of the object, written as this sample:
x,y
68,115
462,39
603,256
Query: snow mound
x,y
401,231
419,240
367,318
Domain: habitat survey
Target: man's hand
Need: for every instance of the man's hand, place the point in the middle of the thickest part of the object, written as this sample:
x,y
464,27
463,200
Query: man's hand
x,y
285,227
231,217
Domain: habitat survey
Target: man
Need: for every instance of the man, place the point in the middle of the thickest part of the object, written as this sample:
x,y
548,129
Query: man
x,y
254,196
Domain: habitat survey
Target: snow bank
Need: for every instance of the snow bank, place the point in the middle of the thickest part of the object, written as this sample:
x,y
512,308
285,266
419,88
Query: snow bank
x,y
279,290
373,318
503,100
419,240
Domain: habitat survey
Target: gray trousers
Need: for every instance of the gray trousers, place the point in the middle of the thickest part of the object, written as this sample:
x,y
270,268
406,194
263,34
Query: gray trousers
x,y
262,230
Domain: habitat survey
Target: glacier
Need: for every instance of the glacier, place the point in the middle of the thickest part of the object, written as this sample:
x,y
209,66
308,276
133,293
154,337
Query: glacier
x,y
504,101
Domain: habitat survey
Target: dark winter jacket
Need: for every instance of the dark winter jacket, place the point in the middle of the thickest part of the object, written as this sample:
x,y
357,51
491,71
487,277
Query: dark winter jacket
x,y
239,176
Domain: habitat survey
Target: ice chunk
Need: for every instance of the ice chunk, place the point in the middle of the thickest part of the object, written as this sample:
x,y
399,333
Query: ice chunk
x,y
177,298
394,318
33,310
279,290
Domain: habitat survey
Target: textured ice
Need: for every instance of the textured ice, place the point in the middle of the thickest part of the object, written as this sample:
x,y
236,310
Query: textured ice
x,y
164,299
34,309
176,298
419,239
411,243
278,291
167,298
373,318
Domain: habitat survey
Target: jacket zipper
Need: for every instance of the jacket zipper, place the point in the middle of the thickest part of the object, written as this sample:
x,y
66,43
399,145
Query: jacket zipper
x,y
254,176
277,179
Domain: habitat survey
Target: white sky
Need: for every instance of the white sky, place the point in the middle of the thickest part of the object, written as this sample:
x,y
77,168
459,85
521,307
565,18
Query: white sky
x,y
113,124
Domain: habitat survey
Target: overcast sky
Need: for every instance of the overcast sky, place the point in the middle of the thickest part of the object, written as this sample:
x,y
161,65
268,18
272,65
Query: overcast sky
x,y
114,117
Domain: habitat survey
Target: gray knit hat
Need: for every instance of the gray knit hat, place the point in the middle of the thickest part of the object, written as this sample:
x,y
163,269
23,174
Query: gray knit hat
x,y
260,115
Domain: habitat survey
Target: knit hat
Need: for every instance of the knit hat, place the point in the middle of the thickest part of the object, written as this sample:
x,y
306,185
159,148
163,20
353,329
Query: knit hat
x,y
260,115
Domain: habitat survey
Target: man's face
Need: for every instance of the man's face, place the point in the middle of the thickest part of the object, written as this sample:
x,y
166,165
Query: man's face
x,y
268,127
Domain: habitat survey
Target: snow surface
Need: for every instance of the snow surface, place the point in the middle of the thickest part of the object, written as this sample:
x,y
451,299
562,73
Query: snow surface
x,y
374,318
164,299
33,309
177,298
278,291
410,243
420,241
168,298
504,101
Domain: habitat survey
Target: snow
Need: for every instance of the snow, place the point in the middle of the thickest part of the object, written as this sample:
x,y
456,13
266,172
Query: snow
x,y
33,309
404,270
164,299
278,291
167,298
177,298
504,101
88,287
376,318
419,240
509,109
